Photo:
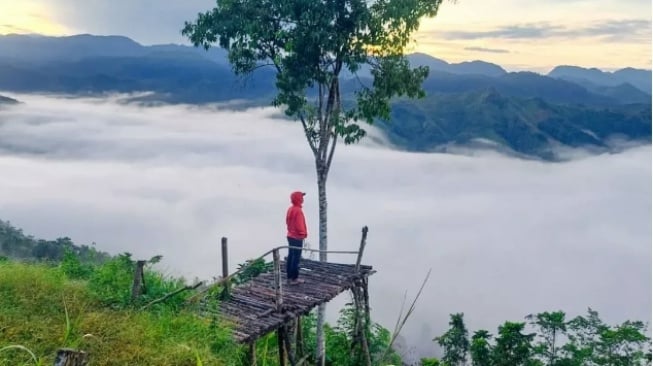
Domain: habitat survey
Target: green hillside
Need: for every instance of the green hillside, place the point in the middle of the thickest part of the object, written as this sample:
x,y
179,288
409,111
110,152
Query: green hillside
x,y
56,294
530,127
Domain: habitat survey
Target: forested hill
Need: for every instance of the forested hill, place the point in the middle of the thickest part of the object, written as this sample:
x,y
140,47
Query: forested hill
x,y
16,245
7,100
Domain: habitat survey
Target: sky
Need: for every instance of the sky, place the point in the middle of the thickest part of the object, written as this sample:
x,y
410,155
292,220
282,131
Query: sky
x,y
517,34
503,237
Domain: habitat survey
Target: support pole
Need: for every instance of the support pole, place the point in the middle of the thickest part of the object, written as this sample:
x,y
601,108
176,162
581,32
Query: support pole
x,y
278,293
282,353
362,248
299,338
361,324
278,303
252,353
138,285
225,267
289,351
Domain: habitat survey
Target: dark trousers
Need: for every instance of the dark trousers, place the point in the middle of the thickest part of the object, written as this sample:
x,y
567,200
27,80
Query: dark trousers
x,y
294,255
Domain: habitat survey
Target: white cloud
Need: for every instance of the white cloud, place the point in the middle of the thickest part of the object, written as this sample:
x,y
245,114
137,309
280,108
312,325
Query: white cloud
x,y
504,237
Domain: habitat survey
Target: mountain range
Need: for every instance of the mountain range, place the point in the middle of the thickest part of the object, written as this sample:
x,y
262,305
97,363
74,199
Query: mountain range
x,y
526,112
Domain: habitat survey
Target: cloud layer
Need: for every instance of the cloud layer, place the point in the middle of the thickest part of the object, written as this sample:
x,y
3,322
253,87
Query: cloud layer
x,y
606,30
504,237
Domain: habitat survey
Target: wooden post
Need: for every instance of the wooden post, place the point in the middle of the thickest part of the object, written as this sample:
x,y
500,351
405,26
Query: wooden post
x,y
252,353
362,248
289,350
278,293
70,357
138,285
299,338
360,328
278,302
225,267
282,353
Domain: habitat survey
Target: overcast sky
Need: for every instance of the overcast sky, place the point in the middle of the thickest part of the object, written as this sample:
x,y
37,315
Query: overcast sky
x,y
504,237
518,34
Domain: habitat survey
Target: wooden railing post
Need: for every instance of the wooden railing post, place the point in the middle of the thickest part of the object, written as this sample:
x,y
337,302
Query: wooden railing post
x,y
252,353
225,267
138,284
278,292
278,302
362,248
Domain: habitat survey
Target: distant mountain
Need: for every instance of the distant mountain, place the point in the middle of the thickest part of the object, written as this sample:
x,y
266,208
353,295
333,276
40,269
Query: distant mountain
x,y
36,49
525,112
436,65
7,100
463,68
641,79
529,127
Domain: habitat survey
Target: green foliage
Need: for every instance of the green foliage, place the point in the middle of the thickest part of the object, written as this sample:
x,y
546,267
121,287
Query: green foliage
x,y
551,326
73,267
455,342
252,268
430,362
111,284
512,348
15,244
525,125
587,341
480,348
309,44
43,310
339,341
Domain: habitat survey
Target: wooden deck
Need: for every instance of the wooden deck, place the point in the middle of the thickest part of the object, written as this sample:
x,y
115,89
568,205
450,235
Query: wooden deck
x,y
252,307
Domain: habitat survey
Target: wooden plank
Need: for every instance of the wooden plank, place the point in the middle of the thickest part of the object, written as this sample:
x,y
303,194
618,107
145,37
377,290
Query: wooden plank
x,y
253,306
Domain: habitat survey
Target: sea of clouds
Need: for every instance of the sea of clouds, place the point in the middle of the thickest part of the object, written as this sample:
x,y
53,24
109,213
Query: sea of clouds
x,y
503,237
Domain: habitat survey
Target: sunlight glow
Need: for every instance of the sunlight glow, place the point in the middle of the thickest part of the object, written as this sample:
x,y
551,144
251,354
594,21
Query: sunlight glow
x,y
26,16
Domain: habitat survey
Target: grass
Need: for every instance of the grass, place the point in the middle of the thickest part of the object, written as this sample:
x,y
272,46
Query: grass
x,y
43,309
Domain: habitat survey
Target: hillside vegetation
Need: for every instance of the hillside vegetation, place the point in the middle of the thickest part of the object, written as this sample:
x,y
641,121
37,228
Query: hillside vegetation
x,y
532,127
77,297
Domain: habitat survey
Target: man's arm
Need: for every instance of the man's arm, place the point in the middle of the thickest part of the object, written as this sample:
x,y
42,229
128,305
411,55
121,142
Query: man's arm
x,y
300,224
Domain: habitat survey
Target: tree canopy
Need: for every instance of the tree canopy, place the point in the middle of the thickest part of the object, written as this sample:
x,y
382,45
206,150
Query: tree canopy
x,y
310,43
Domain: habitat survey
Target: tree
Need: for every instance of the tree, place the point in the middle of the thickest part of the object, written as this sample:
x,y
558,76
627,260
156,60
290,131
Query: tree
x,y
591,341
480,349
455,342
310,43
551,325
513,348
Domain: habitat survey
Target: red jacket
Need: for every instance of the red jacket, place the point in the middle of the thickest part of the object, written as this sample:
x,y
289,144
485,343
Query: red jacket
x,y
295,220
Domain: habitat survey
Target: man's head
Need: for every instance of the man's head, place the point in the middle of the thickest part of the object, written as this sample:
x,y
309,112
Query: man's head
x,y
297,198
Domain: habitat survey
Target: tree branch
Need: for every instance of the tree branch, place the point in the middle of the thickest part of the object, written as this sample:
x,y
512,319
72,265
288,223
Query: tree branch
x,y
166,297
331,151
306,133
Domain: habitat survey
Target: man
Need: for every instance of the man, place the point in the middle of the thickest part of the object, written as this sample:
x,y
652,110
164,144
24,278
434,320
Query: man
x,y
296,224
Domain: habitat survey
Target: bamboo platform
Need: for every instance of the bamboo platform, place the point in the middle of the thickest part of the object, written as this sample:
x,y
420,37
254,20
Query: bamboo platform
x,y
252,307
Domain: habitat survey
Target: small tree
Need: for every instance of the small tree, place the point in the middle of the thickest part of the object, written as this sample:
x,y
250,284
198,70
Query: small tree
x,y
512,348
480,349
551,326
455,342
310,43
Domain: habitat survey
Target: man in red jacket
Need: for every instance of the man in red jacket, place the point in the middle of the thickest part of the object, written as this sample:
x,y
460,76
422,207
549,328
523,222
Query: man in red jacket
x,y
297,232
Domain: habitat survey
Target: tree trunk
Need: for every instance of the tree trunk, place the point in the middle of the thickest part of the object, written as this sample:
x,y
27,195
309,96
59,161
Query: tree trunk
x,y
321,184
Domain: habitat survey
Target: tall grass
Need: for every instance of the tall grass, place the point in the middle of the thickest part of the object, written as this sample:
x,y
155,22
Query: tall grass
x,y
43,310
